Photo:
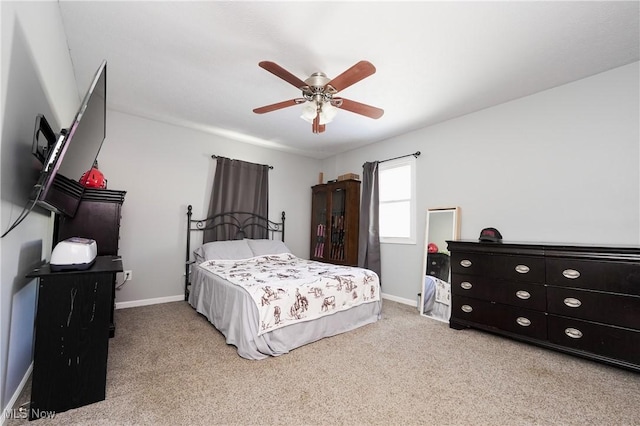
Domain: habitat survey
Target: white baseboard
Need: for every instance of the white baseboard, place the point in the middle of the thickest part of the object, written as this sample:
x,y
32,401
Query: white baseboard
x,y
7,411
411,302
145,302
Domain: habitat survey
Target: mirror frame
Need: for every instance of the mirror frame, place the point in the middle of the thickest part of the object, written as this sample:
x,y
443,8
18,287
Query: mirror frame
x,y
455,233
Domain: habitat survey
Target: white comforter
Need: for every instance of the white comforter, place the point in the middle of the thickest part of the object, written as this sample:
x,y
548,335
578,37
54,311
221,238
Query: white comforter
x,y
288,289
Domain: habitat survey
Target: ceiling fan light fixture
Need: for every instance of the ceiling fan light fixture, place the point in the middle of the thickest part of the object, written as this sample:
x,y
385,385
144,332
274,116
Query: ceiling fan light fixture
x,y
327,113
309,111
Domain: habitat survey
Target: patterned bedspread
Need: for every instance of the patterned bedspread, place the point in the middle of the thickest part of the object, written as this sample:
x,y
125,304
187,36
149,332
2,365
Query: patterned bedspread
x,y
288,289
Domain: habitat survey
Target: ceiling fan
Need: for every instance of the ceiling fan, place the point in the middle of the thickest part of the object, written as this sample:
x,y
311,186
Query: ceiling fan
x,y
318,94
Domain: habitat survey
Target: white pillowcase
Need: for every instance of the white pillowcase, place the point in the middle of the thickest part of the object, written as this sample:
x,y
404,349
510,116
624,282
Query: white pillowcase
x,y
223,250
264,247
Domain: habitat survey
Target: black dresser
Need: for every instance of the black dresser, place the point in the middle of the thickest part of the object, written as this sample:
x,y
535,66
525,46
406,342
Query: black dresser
x,y
579,299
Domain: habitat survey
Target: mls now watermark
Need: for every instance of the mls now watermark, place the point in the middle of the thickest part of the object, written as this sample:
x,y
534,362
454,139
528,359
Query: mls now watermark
x,y
23,413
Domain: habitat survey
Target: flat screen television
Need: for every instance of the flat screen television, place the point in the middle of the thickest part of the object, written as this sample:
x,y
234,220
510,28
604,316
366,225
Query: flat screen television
x,y
67,156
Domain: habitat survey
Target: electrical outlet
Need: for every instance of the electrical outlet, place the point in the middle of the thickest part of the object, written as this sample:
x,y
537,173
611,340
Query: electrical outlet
x,y
128,275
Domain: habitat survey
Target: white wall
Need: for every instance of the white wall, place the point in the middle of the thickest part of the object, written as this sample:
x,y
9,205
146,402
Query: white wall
x,y
164,168
36,78
562,165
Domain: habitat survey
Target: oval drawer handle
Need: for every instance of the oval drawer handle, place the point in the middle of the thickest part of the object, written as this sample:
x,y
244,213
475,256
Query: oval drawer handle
x,y
465,263
466,308
466,285
572,274
522,294
525,322
522,269
574,333
572,302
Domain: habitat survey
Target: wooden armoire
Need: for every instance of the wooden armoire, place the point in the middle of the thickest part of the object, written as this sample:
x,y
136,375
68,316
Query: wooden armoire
x,y
335,217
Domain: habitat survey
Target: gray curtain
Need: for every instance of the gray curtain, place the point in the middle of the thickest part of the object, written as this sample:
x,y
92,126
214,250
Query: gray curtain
x,y
369,232
238,186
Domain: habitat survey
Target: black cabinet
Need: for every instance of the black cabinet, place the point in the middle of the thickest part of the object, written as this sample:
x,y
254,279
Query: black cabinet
x,y
438,265
72,336
97,217
582,300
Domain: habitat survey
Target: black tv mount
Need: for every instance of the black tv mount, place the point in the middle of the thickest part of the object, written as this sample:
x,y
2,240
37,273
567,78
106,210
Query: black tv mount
x,y
41,152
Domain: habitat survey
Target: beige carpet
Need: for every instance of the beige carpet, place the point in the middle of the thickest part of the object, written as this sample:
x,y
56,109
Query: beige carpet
x,y
169,366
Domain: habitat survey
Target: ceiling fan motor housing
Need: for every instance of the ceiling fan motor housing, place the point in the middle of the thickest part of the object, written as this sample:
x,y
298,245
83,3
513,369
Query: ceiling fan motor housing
x,y
317,80
316,89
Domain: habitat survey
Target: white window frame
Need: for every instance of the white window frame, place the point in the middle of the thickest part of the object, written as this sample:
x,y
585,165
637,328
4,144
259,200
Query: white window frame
x,y
390,164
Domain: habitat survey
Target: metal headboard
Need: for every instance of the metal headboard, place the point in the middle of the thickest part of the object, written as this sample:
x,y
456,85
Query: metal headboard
x,y
241,222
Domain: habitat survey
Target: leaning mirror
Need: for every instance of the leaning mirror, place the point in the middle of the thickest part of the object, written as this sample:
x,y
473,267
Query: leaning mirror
x,y
435,289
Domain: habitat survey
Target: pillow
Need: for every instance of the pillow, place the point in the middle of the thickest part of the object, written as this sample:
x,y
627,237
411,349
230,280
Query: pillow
x,y
263,247
224,250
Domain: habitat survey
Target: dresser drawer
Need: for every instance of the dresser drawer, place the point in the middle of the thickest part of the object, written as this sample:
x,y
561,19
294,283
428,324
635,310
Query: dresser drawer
x,y
615,277
600,339
609,308
470,263
517,268
508,318
515,293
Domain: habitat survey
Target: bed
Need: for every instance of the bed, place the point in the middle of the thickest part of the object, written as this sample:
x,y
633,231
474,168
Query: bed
x,y
267,301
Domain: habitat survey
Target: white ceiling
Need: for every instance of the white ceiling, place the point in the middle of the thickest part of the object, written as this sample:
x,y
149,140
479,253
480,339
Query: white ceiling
x,y
196,63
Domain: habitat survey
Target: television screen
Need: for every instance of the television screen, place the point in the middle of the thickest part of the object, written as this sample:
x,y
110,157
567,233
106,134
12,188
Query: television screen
x,y
74,151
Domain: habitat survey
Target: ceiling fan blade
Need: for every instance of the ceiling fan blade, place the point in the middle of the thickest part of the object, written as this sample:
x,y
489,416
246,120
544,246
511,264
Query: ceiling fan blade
x,y
279,105
278,71
316,127
359,71
358,108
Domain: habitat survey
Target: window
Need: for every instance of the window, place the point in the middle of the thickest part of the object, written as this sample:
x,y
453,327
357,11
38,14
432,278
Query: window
x,y
397,192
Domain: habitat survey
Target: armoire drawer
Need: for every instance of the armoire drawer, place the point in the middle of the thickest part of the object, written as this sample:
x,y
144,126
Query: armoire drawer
x,y
614,277
600,339
514,293
508,318
608,308
507,267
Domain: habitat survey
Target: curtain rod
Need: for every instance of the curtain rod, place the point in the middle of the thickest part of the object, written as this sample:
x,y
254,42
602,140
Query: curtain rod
x,y
415,154
221,156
